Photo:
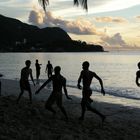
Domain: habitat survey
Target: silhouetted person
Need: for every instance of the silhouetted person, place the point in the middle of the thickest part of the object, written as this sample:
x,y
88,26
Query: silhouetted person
x,y
0,88
37,65
49,69
138,75
24,82
86,76
0,84
58,82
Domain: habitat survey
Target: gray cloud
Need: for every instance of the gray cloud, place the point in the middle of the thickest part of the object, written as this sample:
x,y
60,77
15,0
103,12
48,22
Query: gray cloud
x,y
79,26
115,40
34,18
4,1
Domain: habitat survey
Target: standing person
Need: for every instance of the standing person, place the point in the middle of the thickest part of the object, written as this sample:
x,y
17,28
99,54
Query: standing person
x,y
49,69
138,76
86,76
24,82
58,82
37,65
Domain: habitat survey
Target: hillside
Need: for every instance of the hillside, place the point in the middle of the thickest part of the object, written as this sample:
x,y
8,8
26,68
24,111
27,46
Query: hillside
x,y
17,36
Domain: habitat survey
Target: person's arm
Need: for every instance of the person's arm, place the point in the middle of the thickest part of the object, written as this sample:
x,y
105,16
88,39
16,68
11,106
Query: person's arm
x,y
101,83
79,81
137,79
65,90
32,76
43,85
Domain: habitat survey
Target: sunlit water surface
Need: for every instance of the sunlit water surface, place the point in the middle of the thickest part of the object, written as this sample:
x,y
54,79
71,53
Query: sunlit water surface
x,y
117,69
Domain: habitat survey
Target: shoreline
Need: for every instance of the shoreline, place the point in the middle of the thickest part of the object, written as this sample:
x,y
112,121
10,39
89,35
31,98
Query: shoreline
x,y
59,52
11,87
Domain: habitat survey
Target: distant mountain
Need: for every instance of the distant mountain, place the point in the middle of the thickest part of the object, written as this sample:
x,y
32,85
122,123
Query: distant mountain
x,y
14,30
21,37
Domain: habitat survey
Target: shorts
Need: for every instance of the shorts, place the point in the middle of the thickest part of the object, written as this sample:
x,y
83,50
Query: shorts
x,y
87,93
86,97
24,85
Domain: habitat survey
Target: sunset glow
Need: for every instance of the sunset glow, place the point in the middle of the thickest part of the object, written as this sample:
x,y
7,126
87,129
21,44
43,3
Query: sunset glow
x,y
105,23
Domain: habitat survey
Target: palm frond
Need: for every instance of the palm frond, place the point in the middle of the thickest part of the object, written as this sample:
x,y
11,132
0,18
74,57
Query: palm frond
x,y
82,2
44,3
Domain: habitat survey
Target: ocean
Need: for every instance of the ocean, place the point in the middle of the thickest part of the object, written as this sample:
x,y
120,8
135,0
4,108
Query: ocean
x,y
117,69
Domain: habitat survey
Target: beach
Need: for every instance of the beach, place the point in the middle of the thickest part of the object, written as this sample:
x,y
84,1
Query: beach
x,y
34,122
93,48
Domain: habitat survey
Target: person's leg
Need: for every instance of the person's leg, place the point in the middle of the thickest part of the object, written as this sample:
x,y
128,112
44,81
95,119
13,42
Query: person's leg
x,y
48,74
95,111
49,107
83,106
0,88
49,102
63,111
21,93
59,104
38,73
37,77
30,95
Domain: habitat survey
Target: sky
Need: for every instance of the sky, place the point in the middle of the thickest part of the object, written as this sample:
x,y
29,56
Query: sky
x,y
110,23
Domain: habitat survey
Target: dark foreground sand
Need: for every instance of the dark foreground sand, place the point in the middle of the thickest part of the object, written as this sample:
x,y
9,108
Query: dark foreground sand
x,y
33,122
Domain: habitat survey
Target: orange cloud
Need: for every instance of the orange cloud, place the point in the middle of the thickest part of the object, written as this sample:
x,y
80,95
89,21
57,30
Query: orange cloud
x,y
138,17
79,26
110,19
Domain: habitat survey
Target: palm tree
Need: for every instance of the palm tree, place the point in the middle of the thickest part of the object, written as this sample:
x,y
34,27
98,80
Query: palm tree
x,y
44,3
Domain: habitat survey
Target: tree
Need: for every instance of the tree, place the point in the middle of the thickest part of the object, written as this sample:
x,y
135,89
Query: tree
x,y
44,3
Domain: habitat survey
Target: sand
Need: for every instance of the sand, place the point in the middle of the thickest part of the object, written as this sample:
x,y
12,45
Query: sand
x,y
34,122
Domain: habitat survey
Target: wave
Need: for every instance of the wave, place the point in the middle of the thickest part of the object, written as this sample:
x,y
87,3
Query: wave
x,y
123,92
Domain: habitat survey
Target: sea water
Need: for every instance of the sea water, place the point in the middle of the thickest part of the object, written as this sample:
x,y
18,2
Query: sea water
x,y
117,69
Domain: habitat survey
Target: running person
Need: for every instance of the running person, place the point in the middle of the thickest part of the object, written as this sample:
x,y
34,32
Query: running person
x,y
58,82
86,76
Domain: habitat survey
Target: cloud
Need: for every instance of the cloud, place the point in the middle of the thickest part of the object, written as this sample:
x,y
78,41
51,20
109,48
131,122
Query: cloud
x,y
110,19
16,3
114,41
79,26
137,17
36,17
94,6
5,1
